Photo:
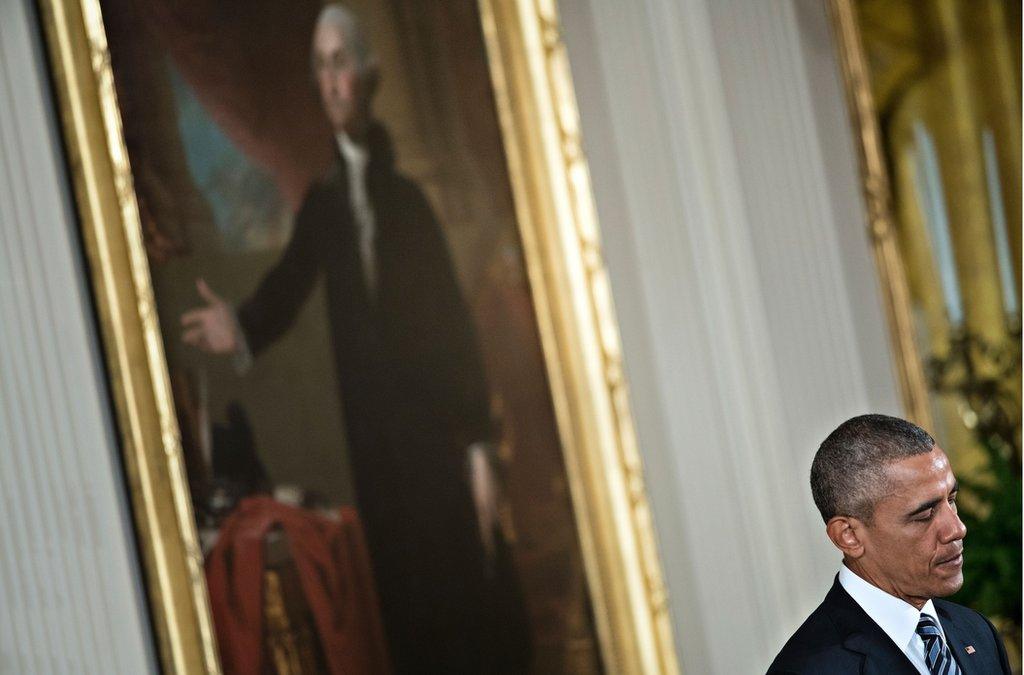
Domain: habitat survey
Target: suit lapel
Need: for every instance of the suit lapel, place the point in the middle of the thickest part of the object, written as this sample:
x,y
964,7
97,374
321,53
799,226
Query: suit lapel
x,y
862,635
880,654
957,639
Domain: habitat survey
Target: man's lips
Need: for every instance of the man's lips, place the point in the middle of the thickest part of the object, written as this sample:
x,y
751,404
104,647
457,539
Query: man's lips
x,y
954,559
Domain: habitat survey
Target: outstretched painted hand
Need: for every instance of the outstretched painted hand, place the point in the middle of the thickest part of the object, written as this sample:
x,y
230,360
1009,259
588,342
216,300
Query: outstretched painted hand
x,y
211,328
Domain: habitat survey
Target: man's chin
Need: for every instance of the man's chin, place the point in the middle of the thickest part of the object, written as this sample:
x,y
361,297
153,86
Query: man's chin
x,y
356,125
337,122
949,585
338,116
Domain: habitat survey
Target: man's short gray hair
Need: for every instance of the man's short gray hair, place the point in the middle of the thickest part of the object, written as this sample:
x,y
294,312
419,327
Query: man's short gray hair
x,y
336,14
848,475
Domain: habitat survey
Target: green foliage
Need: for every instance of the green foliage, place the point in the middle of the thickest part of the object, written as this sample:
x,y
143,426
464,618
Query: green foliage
x,y
992,554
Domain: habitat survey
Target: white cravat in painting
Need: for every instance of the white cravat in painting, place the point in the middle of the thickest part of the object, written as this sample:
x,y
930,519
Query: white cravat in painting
x,y
356,159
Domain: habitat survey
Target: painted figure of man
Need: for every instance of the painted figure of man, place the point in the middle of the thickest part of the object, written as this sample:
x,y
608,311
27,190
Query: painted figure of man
x,y
414,398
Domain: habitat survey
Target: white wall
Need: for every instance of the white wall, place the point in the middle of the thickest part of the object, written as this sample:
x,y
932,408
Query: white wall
x,y
726,185
71,599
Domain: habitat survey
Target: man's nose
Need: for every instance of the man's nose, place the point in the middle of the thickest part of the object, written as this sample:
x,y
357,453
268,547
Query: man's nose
x,y
955,528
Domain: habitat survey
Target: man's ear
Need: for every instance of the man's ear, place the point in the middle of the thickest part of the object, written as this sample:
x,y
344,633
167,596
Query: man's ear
x,y
845,532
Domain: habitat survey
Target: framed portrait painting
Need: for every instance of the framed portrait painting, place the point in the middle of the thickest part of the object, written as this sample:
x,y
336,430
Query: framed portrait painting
x,y
359,336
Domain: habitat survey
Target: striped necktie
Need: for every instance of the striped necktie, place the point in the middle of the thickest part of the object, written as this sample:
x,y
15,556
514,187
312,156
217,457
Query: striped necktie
x,y
937,656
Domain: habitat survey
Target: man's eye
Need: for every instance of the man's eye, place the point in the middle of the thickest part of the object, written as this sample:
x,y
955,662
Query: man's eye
x,y
924,517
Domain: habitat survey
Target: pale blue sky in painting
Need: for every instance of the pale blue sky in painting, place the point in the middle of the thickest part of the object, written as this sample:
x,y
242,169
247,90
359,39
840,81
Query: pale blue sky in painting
x,y
247,207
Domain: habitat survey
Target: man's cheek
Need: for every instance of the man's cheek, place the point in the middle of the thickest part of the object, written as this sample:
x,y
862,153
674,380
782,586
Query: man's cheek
x,y
348,85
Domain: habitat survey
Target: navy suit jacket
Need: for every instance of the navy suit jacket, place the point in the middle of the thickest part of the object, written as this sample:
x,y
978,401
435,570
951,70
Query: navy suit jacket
x,y
839,637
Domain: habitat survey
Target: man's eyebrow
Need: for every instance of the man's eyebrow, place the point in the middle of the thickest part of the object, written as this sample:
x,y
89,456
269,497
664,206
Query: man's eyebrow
x,y
924,507
932,502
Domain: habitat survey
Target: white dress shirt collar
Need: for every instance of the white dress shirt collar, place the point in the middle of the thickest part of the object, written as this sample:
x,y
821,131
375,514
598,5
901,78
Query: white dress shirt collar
x,y
897,618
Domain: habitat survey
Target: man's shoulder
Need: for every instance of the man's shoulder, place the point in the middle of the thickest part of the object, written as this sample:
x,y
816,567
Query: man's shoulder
x,y
959,612
965,618
404,187
328,193
972,636
328,186
815,647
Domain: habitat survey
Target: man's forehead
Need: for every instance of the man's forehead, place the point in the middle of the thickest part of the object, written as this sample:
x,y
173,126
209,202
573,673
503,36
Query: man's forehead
x,y
922,473
329,37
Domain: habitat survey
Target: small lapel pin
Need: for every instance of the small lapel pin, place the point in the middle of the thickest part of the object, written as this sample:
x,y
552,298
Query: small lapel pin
x,y
969,649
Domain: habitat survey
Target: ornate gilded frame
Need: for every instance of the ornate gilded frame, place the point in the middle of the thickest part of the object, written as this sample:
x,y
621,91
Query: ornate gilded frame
x,y
881,225
558,225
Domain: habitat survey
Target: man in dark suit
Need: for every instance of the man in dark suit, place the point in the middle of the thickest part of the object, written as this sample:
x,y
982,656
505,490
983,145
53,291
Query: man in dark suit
x,y
888,498
415,402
